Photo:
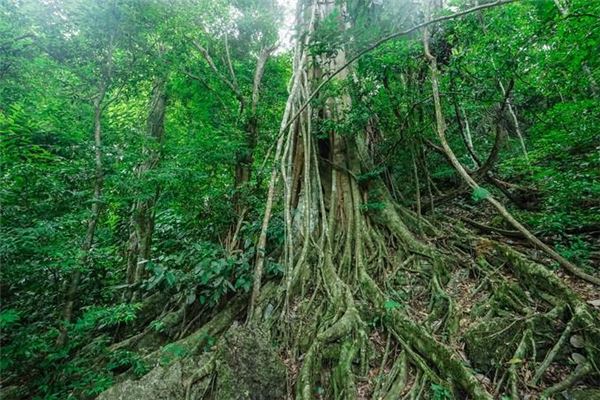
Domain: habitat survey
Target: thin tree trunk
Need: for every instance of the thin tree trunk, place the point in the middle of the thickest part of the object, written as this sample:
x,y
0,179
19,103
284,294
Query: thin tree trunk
x,y
513,115
88,241
465,131
71,294
143,211
441,131
245,157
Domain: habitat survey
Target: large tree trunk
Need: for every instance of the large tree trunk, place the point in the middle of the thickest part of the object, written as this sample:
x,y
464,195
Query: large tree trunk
x,y
331,240
143,210
339,227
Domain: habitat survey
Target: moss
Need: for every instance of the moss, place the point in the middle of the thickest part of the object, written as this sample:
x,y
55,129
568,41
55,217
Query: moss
x,y
585,394
491,342
162,383
343,382
248,367
509,296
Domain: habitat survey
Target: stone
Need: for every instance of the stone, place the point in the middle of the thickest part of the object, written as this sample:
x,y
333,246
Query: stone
x,y
248,367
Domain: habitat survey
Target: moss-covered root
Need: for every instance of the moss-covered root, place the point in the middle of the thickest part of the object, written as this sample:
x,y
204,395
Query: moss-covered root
x,y
543,282
304,385
515,362
343,328
197,340
198,375
343,384
395,385
444,358
539,372
579,373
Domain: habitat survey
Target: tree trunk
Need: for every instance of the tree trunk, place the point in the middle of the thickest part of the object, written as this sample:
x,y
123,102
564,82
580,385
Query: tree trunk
x,y
331,231
73,286
143,210
245,156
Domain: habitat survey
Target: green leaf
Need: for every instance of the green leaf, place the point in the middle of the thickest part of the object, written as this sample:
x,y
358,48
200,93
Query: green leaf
x,y
391,305
170,278
8,318
479,194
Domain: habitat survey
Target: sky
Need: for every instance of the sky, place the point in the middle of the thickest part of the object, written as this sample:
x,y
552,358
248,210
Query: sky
x,y
286,29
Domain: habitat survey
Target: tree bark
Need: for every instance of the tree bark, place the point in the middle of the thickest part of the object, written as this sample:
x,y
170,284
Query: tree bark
x,y
143,210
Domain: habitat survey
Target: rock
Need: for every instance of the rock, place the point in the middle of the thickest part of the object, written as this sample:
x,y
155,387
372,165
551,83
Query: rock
x,y
248,368
162,383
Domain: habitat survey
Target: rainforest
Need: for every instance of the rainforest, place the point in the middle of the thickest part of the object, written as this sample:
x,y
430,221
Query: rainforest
x,y
299,199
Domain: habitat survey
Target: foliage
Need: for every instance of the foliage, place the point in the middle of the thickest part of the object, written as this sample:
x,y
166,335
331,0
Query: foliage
x,y
52,64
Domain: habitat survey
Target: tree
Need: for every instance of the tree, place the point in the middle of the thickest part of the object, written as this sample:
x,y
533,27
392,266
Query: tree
x,y
252,38
392,238
104,80
143,210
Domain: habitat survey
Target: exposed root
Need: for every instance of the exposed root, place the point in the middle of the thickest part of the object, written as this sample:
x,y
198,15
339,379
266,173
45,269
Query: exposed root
x,y
399,376
552,353
581,372
516,361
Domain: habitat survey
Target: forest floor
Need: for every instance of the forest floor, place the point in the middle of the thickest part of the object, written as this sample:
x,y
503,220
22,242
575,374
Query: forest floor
x,y
492,312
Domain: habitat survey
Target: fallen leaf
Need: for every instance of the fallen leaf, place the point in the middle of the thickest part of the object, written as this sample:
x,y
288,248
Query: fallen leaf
x,y
577,341
578,358
594,303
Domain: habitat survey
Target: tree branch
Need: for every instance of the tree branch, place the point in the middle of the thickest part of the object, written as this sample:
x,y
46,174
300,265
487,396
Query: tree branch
x,y
386,39
212,65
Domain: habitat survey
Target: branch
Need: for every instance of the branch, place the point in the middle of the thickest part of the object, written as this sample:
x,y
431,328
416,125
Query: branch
x,y
9,42
263,57
386,39
500,133
206,85
230,66
212,66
